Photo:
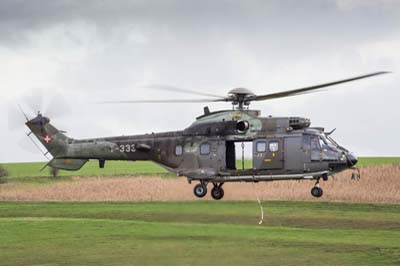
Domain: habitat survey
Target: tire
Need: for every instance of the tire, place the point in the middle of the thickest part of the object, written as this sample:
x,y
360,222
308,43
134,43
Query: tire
x,y
317,192
200,190
217,193
321,192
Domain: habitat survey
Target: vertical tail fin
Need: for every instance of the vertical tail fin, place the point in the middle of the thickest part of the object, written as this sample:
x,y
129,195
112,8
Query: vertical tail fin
x,y
54,140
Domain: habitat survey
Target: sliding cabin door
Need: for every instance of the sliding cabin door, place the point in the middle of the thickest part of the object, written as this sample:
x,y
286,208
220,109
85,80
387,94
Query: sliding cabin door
x,y
268,154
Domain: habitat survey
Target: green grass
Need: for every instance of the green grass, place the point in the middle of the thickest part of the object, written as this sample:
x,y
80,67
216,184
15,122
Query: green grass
x,y
368,161
114,168
199,233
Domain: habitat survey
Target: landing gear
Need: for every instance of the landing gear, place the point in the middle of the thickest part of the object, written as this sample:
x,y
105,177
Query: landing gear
x,y
217,192
317,191
200,190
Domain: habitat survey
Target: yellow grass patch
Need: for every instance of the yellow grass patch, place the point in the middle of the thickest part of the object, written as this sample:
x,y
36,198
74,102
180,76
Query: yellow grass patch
x,y
380,184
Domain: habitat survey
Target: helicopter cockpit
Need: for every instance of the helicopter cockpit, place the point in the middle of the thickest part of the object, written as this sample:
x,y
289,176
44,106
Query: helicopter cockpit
x,y
323,148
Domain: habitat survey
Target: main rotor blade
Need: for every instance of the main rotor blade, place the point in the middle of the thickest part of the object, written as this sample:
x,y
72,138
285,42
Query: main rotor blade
x,y
164,101
311,89
176,89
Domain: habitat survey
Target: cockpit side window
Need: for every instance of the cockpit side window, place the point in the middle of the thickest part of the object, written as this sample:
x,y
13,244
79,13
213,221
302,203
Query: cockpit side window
x,y
306,142
315,149
315,144
322,143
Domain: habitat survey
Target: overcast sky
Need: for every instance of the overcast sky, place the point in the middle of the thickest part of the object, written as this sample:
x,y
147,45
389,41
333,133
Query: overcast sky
x,y
92,51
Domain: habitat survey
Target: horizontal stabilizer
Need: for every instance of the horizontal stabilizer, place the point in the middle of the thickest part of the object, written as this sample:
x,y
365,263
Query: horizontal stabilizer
x,y
67,164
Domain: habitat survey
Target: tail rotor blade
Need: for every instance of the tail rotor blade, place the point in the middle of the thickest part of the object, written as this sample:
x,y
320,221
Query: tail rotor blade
x,y
57,106
34,100
23,113
16,120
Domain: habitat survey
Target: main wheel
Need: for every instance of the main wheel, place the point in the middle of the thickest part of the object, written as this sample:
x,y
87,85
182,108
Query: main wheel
x,y
317,192
217,193
200,190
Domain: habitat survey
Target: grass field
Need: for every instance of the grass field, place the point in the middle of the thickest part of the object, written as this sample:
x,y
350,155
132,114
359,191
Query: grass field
x,y
199,233
196,232
145,181
114,168
17,170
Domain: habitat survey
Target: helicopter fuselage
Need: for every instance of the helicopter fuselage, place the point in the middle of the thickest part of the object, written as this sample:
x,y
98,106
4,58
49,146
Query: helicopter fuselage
x,y
282,148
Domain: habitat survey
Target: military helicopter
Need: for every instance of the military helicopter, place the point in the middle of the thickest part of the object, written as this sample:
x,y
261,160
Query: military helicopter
x,y
283,148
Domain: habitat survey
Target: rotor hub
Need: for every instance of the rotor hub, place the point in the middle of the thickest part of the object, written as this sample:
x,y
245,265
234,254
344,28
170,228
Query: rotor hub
x,y
241,97
241,91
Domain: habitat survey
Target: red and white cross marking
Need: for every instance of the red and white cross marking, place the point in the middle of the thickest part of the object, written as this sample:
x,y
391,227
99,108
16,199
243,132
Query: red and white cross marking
x,y
47,139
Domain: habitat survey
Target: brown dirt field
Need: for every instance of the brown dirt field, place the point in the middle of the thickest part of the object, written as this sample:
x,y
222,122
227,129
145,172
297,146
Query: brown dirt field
x,y
378,184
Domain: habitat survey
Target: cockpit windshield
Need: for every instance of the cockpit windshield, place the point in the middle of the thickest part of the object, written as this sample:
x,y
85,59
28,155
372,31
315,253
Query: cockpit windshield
x,y
334,143
322,143
328,141
321,147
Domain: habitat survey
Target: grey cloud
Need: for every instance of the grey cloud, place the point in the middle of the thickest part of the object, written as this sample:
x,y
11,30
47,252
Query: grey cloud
x,y
258,20
103,50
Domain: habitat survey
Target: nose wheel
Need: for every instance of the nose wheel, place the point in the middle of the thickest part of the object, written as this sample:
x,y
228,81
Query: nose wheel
x,y
217,192
317,191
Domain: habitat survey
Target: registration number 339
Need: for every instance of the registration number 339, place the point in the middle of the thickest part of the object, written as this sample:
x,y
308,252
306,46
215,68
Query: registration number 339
x,y
127,148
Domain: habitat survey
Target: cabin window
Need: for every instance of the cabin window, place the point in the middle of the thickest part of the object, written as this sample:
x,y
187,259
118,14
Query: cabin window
x,y
273,146
178,150
205,149
261,146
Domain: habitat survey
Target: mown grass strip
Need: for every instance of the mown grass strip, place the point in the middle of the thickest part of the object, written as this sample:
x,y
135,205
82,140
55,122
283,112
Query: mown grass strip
x,y
278,213
82,234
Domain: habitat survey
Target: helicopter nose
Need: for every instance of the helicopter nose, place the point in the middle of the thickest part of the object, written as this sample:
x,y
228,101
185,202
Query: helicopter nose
x,y
351,159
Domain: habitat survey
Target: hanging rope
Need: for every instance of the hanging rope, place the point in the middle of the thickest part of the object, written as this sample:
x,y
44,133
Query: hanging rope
x,y
259,204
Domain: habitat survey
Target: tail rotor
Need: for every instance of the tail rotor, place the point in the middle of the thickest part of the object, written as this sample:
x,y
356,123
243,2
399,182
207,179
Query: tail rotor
x,y
29,107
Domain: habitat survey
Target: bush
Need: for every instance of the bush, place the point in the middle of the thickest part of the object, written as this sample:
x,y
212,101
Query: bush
x,y
53,172
3,172
3,175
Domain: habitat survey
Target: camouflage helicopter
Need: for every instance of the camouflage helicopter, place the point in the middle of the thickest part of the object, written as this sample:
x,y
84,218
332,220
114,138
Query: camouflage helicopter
x,y
283,148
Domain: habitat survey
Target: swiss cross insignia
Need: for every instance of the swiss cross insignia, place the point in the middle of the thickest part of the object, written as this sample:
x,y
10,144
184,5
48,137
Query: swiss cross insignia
x,y
47,139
